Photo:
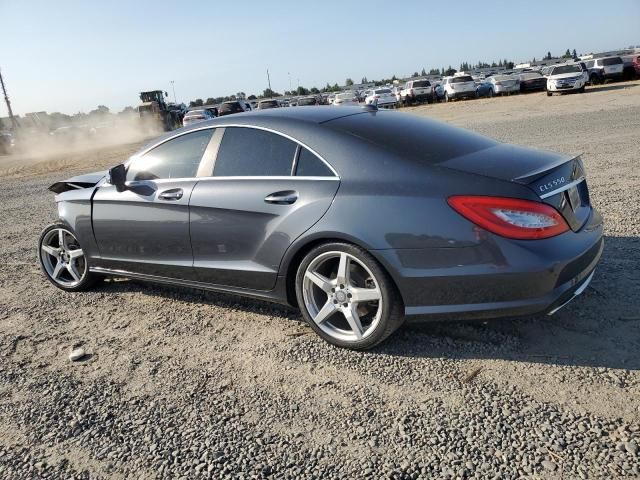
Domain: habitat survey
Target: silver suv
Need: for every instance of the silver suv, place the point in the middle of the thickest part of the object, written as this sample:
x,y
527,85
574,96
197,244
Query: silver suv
x,y
602,69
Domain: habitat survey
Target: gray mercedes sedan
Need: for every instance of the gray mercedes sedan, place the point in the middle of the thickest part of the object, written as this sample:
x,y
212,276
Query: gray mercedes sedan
x,y
360,218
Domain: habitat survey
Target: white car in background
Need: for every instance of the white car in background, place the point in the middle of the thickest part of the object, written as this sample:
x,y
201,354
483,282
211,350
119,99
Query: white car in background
x,y
458,86
566,78
345,99
195,116
504,84
382,97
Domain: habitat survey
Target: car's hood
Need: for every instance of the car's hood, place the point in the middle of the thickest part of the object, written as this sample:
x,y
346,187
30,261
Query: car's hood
x,y
75,183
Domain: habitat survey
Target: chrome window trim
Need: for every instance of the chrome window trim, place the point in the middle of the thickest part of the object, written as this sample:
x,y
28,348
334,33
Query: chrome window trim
x,y
281,177
562,188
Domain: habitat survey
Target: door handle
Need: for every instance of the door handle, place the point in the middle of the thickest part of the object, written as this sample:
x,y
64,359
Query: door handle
x,y
286,197
173,194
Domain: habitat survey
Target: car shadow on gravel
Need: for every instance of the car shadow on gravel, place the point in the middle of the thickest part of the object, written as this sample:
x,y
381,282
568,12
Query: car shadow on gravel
x,y
607,88
601,328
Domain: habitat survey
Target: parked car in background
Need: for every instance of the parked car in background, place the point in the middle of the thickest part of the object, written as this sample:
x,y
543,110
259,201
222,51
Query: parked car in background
x,y
195,116
308,101
532,82
438,92
484,89
603,69
382,97
396,93
416,91
266,104
7,143
345,99
636,65
566,78
233,106
504,84
459,86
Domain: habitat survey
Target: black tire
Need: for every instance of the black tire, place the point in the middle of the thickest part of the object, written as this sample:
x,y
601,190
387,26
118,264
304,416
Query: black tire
x,y
392,316
581,89
491,93
595,79
446,97
87,279
549,93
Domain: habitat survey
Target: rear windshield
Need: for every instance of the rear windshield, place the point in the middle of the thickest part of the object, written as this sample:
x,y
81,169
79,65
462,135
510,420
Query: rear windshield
x,y
502,77
345,96
421,84
611,61
269,104
307,101
416,138
194,113
566,69
461,79
530,75
232,107
383,90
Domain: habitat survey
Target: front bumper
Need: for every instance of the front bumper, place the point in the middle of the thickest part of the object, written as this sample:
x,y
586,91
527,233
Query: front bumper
x,y
496,277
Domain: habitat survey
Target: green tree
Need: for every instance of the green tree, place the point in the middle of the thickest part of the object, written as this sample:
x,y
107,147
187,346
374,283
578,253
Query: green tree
x,y
364,80
450,71
268,93
302,91
567,54
348,82
252,97
415,74
423,73
434,71
548,57
574,54
210,101
315,91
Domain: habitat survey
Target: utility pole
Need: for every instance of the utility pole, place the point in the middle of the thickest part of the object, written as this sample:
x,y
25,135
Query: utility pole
x,y
173,86
269,80
14,122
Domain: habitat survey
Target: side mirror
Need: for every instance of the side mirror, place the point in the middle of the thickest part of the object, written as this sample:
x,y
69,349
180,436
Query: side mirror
x,y
117,177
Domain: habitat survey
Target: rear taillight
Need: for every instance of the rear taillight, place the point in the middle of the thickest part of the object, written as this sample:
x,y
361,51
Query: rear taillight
x,y
510,217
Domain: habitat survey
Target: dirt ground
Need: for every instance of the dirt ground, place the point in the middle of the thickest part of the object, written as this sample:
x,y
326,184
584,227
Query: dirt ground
x,y
186,384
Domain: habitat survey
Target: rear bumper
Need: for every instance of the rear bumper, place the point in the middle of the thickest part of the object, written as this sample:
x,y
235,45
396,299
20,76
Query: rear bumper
x,y
470,94
496,277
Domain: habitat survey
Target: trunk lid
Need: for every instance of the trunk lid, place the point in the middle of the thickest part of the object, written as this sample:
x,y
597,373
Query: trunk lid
x,y
557,180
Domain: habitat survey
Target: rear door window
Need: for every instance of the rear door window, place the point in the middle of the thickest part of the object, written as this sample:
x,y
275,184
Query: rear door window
x,y
176,158
611,61
248,152
311,166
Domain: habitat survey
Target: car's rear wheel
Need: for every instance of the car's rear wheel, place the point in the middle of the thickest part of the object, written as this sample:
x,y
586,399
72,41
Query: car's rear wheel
x,y
63,260
549,93
446,97
347,297
594,79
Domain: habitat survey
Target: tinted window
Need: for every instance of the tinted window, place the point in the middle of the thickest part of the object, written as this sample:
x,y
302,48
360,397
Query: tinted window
x,y
611,61
420,139
566,69
228,108
421,84
311,166
307,101
252,152
268,104
461,79
177,158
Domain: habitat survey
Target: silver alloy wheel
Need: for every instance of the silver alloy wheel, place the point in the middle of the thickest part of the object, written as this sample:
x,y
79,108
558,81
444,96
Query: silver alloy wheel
x,y
342,296
62,257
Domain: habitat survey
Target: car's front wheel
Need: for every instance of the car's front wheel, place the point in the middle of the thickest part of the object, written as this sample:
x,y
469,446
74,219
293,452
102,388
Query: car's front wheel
x,y
63,260
347,297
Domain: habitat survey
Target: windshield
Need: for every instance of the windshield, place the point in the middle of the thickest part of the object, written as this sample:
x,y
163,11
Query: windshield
x,y
611,61
268,104
307,101
232,107
461,79
566,69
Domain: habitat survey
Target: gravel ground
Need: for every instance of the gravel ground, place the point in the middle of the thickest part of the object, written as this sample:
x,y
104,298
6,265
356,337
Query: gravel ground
x,y
185,384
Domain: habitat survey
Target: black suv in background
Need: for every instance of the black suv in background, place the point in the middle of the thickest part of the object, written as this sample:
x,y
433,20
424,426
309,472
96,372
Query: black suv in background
x,y
233,106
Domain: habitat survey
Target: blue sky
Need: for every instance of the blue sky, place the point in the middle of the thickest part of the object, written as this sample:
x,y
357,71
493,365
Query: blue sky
x,y
70,56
